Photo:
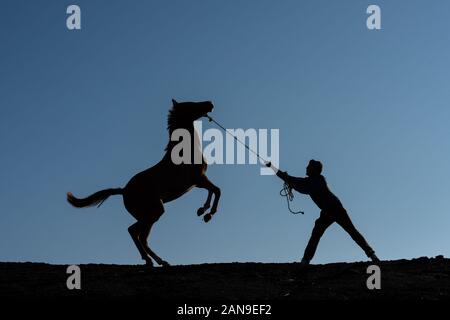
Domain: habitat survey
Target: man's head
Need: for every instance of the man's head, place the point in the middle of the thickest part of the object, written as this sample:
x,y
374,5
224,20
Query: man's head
x,y
314,168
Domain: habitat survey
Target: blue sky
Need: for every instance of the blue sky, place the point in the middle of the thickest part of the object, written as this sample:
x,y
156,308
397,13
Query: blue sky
x,y
86,110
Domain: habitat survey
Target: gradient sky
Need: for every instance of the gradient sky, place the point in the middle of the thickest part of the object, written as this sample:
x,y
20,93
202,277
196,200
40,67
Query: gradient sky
x,y
85,110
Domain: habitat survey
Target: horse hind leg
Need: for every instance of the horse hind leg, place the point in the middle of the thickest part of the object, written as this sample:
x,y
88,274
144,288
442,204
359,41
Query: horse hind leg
x,y
135,232
145,232
146,212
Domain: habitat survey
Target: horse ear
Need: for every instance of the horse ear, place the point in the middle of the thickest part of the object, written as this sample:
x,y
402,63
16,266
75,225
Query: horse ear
x,y
174,102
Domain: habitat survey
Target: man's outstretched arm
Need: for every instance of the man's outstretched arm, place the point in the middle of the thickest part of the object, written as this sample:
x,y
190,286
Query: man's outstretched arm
x,y
299,184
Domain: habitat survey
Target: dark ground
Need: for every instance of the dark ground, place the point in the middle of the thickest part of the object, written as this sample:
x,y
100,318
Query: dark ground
x,y
417,279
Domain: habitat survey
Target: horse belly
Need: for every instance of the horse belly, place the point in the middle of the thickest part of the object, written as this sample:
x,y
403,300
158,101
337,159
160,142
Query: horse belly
x,y
174,192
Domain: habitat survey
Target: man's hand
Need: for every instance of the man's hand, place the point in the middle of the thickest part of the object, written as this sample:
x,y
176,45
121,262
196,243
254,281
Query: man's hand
x,y
281,174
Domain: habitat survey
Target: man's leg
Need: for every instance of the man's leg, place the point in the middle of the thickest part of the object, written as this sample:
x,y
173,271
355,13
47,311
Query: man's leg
x,y
346,223
324,221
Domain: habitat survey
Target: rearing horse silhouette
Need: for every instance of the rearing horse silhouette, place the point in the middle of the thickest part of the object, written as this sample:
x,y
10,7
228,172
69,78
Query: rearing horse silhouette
x,y
145,194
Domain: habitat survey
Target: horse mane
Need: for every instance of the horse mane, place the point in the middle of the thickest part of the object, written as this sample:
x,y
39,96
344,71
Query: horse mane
x,y
175,120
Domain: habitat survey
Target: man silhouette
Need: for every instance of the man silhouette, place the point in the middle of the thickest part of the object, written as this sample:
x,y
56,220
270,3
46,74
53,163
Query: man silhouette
x,y
331,207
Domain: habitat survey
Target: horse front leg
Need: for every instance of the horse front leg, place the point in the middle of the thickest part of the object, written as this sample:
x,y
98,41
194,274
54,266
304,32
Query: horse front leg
x,y
206,205
212,189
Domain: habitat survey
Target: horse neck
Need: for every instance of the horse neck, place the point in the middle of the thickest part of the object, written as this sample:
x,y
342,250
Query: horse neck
x,y
195,141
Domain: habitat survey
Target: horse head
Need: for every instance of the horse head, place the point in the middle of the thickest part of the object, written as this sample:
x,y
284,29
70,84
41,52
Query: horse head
x,y
183,114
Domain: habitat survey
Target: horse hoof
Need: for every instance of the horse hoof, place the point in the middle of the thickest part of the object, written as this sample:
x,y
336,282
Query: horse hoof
x,y
164,264
200,211
149,263
207,217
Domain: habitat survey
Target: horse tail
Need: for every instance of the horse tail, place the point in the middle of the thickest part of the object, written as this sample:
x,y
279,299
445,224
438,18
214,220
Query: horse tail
x,y
95,199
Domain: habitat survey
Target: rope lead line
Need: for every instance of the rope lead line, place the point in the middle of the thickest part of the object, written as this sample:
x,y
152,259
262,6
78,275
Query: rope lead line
x,y
286,191
236,138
